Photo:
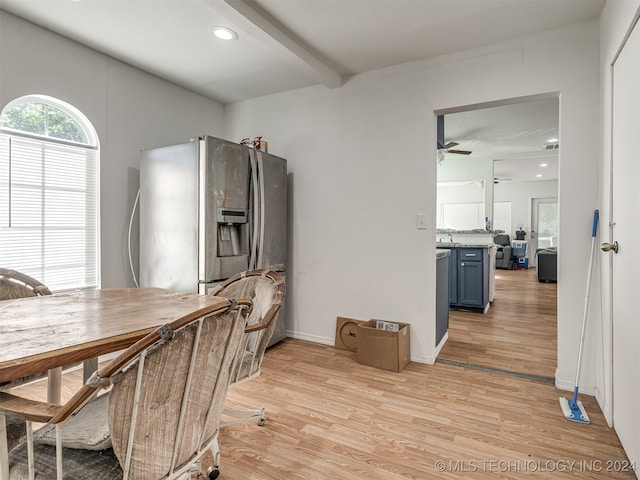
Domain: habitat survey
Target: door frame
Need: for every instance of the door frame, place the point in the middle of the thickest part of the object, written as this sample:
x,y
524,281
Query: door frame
x,y
608,278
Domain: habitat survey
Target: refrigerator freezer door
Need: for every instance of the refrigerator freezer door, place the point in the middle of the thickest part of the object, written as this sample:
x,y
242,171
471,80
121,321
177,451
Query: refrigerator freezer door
x,y
225,216
272,234
169,217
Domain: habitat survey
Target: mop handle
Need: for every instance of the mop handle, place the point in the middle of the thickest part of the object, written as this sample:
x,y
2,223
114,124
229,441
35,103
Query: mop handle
x,y
594,232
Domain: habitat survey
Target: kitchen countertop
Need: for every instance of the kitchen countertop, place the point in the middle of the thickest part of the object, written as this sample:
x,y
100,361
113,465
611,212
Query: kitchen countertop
x,y
463,245
476,231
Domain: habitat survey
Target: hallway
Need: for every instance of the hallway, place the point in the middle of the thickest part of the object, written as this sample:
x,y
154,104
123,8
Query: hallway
x,y
517,334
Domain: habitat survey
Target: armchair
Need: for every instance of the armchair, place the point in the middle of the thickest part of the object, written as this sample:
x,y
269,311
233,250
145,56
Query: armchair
x,y
161,414
503,252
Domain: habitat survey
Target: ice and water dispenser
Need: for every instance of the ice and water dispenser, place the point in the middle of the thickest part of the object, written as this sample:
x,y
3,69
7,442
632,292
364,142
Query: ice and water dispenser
x,y
233,232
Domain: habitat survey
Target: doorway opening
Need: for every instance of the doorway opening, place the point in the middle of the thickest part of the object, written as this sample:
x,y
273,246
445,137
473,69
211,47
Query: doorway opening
x,y
511,148
544,226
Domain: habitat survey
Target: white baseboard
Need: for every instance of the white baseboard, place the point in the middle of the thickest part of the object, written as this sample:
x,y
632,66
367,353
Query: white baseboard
x,y
311,338
441,345
569,385
605,407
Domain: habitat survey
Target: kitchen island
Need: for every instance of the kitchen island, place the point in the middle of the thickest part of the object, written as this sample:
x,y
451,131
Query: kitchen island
x,y
471,275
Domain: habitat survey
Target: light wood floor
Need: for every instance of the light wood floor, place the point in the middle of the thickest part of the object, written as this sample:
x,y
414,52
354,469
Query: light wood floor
x,y
518,333
329,417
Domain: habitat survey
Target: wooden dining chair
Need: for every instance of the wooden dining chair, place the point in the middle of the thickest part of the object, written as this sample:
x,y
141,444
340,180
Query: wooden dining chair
x,y
14,285
161,414
266,290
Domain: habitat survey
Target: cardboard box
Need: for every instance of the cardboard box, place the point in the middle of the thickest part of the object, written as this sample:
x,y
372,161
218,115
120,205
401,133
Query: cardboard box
x,y
383,344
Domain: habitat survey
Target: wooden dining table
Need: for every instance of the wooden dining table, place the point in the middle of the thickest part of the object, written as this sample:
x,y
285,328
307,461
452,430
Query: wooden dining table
x,y
40,334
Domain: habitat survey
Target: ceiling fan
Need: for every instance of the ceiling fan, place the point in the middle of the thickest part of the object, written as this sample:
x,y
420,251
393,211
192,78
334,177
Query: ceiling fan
x,y
500,180
448,147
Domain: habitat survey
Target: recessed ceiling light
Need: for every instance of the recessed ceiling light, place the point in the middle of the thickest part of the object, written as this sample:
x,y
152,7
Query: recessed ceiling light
x,y
544,164
224,33
553,140
539,175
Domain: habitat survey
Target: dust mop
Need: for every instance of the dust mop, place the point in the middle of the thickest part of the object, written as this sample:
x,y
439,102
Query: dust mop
x,y
573,409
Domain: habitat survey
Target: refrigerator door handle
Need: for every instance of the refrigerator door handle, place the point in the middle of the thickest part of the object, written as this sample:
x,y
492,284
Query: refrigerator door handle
x,y
256,213
262,209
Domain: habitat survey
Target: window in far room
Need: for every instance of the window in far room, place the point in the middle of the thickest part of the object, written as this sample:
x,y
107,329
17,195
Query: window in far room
x,y
49,157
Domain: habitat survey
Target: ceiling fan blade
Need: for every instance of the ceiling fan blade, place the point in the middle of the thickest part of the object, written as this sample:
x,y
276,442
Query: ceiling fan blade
x,y
460,152
450,145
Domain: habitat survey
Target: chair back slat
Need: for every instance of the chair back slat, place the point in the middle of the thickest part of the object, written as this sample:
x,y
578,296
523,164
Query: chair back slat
x,y
185,397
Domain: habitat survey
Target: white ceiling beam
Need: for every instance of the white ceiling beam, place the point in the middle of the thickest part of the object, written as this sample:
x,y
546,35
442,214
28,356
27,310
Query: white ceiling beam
x,y
256,24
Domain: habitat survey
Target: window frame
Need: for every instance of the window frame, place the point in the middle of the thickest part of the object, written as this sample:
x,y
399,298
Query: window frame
x,y
90,225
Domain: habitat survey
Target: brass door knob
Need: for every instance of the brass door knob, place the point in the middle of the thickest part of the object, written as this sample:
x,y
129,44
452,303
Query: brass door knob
x,y
607,247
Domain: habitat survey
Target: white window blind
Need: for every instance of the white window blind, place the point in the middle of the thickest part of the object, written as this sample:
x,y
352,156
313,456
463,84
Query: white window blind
x,y
48,210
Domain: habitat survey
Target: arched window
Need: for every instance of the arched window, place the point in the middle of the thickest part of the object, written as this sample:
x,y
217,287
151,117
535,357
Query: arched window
x,y
49,193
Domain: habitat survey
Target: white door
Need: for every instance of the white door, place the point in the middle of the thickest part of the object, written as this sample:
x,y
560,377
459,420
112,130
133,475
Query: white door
x,y
544,225
626,263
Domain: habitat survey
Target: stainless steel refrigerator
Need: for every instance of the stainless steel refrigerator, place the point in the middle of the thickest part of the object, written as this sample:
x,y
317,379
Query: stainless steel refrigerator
x,y
209,209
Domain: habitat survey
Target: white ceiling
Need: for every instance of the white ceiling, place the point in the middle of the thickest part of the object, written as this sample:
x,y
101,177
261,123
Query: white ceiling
x,y
515,136
289,44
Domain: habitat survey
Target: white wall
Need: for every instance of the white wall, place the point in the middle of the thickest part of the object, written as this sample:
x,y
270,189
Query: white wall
x,y
363,165
130,110
615,21
359,176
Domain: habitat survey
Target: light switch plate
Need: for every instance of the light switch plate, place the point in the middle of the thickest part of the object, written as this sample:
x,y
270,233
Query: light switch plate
x,y
421,221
